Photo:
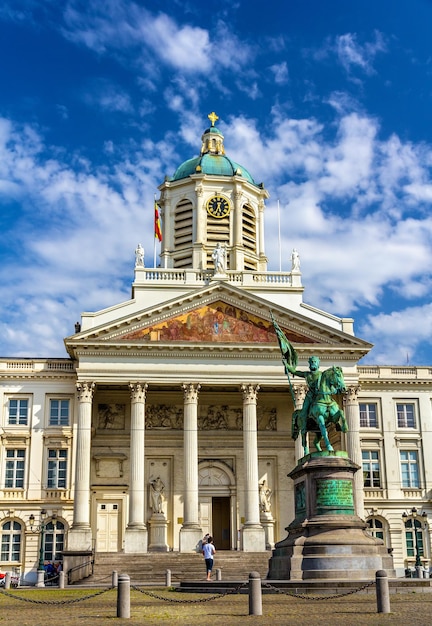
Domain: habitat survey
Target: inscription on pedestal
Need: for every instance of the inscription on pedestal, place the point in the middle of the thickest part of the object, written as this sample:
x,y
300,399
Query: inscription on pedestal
x,y
334,497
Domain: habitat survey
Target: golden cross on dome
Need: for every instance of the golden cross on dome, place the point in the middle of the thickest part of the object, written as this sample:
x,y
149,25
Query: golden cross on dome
x,y
213,118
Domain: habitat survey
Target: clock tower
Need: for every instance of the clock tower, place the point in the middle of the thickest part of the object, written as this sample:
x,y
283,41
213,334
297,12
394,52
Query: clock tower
x,y
212,200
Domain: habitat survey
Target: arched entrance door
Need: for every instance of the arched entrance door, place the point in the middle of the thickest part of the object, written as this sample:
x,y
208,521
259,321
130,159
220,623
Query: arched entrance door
x,y
217,503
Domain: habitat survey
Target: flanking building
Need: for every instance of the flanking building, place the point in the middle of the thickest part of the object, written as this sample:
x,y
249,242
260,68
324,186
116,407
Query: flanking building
x,y
171,417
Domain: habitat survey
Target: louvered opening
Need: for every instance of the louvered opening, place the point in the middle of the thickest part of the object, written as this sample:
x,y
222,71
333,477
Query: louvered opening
x,y
249,229
217,232
183,225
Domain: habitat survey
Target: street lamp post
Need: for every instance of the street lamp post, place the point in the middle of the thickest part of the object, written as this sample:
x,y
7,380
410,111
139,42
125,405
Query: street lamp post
x,y
414,514
40,528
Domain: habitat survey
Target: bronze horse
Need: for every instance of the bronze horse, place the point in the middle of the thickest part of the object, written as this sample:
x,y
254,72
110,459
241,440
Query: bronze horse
x,y
323,410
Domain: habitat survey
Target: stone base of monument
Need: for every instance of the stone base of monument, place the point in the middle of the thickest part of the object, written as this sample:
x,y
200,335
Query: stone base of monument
x,y
327,540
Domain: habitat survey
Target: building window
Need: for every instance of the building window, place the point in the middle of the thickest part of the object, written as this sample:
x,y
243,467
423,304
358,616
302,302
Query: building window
x,y
409,469
15,465
11,541
54,540
18,412
405,415
57,469
371,468
376,528
368,415
59,413
414,538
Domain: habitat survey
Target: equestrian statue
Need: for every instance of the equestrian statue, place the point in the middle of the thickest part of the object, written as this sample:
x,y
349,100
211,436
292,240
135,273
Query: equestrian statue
x,y
319,409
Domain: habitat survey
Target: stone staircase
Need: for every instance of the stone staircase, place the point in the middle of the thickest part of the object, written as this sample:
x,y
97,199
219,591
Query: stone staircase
x,y
151,568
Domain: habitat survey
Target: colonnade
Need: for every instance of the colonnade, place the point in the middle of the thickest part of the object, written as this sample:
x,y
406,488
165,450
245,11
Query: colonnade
x,y
253,535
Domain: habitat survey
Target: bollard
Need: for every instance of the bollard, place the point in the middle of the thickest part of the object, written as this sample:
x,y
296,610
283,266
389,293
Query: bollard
x,y
419,573
168,578
382,592
114,582
123,596
61,579
8,577
218,574
255,594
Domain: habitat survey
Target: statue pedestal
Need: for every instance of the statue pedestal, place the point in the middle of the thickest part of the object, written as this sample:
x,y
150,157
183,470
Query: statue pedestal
x,y
327,540
158,533
267,522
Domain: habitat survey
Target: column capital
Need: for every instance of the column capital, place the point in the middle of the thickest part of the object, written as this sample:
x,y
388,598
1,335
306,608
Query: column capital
x,y
250,392
190,391
351,394
299,393
138,391
85,391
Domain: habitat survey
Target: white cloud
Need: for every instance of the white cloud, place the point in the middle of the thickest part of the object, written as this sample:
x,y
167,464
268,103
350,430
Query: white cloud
x,y
146,38
280,73
398,335
67,255
353,55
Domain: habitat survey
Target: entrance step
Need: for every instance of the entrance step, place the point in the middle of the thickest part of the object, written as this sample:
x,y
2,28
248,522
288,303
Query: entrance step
x,y
152,567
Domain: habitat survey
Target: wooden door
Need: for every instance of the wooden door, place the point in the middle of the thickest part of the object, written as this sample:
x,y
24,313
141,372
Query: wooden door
x,y
107,526
221,522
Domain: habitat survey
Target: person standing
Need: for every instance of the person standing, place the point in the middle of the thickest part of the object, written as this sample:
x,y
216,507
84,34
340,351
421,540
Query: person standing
x,y
208,551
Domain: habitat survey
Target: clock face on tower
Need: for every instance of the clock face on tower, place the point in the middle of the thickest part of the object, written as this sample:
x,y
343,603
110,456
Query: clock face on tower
x,y
218,206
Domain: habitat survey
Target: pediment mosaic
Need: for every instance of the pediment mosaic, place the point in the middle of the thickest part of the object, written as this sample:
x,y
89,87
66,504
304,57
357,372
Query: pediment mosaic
x,y
216,322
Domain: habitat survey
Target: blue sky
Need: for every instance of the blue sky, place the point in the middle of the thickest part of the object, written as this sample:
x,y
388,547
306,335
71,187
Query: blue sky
x,y
327,103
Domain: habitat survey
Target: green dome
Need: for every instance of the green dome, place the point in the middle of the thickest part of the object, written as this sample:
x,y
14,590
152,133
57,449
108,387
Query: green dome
x,y
214,164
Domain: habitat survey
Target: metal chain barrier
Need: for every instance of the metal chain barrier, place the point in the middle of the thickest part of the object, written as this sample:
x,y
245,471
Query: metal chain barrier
x,y
56,602
151,594
309,597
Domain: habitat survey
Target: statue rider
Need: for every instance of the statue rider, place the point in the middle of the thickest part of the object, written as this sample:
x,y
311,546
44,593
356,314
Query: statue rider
x,y
313,379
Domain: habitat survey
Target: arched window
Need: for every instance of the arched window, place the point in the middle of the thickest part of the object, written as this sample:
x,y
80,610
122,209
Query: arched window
x,y
376,528
11,541
53,540
414,538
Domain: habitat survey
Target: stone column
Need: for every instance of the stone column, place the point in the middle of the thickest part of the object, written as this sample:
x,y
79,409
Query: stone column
x,y
80,535
352,415
253,535
136,531
190,532
300,395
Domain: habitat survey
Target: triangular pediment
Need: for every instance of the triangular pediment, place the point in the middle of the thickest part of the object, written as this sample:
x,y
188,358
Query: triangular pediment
x,y
216,315
216,322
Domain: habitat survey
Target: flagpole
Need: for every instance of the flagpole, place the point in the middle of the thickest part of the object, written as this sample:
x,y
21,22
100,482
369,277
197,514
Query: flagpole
x,y
154,236
279,237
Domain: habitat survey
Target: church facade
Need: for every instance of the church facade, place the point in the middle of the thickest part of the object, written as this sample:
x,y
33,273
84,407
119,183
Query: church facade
x,y
171,418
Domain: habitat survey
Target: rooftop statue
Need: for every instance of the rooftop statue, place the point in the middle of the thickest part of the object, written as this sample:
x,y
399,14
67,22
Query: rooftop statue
x,y
319,409
139,256
219,259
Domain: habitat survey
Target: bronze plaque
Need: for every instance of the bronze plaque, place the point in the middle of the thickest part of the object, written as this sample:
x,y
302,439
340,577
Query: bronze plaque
x,y
334,497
